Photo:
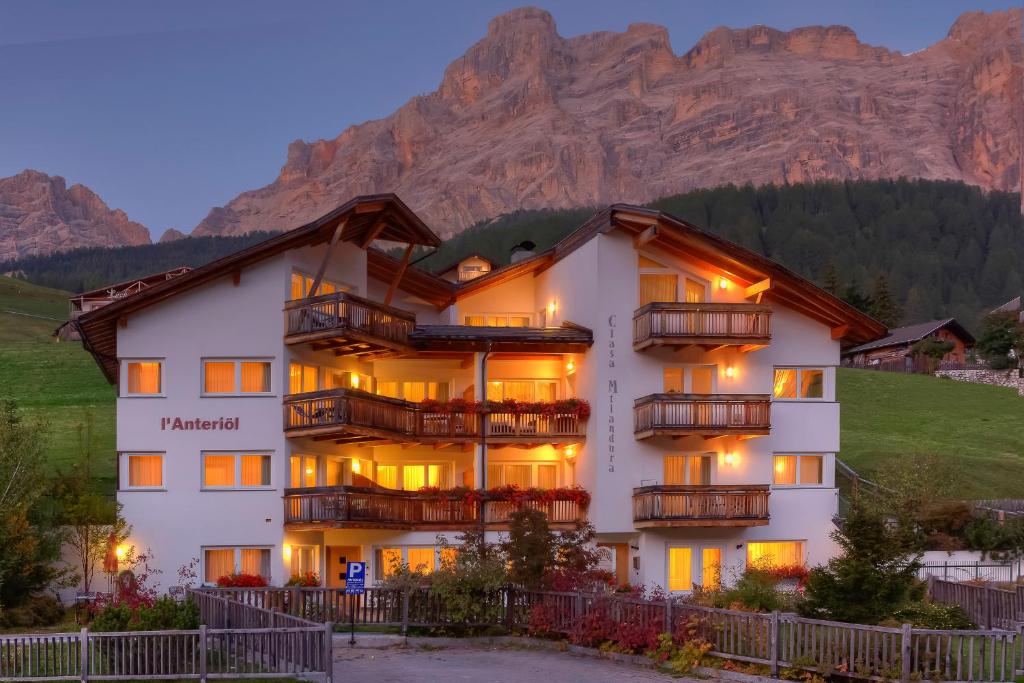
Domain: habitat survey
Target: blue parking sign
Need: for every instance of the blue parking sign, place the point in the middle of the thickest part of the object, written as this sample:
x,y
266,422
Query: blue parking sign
x,y
355,578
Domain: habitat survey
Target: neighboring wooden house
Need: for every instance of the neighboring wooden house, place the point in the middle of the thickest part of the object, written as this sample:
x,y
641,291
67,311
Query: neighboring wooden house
x,y
467,268
899,340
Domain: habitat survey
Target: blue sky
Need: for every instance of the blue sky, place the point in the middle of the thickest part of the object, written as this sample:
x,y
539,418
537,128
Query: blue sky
x,y
168,109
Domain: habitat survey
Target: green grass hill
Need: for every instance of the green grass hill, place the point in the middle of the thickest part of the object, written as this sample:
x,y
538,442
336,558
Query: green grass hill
x,y
58,382
977,427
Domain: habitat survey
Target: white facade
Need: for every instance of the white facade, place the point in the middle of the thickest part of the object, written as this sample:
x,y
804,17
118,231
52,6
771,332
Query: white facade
x,y
596,286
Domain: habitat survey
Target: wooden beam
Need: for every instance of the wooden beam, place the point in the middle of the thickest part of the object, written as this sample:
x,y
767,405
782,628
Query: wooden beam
x,y
374,444
335,238
442,444
122,322
757,290
410,444
645,236
393,287
840,331
236,278
376,229
747,348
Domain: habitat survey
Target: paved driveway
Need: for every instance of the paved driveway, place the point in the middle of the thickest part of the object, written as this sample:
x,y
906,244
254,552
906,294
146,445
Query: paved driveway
x,y
501,665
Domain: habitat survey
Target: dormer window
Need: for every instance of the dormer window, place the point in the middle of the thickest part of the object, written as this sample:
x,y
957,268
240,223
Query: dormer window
x,y
659,283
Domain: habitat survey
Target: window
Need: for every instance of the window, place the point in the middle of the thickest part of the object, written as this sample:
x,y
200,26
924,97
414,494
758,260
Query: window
x,y
144,378
302,283
236,377
145,471
523,475
389,560
510,320
775,554
789,470
799,383
236,470
423,559
414,391
304,560
658,282
711,568
387,476
415,477
696,292
696,379
344,379
303,471
301,378
522,390
680,569
694,470
218,562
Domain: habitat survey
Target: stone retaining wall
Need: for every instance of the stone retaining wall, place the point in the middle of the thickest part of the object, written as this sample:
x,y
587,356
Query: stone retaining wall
x,y
1000,378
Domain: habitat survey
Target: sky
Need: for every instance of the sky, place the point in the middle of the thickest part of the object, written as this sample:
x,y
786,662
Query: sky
x,y
167,109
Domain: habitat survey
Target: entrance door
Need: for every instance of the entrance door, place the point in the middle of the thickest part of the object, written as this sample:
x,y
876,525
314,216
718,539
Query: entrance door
x,y
338,557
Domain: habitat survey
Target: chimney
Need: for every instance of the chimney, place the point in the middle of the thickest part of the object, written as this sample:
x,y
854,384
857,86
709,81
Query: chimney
x,y
523,251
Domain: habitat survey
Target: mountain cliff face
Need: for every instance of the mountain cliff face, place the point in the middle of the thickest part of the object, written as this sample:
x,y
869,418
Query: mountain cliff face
x,y
39,214
529,119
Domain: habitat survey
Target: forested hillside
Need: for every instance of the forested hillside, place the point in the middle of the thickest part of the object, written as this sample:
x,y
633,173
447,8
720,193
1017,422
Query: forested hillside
x,y
941,248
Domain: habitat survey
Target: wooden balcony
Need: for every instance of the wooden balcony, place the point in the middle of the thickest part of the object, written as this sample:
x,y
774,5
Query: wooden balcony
x,y
349,415
378,508
710,325
707,415
700,506
348,325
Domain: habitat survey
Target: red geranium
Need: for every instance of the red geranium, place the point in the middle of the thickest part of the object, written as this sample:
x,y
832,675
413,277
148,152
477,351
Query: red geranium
x,y
242,580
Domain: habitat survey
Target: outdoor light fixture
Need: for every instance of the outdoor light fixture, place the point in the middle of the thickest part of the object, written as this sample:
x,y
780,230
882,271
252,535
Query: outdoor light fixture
x,y
570,452
552,307
723,283
286,550
354,380
730,459
730,371
570,367
356,467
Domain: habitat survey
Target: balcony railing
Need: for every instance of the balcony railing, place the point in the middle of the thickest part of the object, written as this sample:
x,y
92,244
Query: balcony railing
x,y
704,414
350,506
705,324
700,506
349,411
356,324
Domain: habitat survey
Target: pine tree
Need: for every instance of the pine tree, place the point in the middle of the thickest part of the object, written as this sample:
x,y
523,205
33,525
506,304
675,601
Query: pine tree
x,y
881,304
831,282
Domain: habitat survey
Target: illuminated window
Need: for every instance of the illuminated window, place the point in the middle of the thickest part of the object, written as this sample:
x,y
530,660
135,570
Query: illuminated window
x,y
304,560
302,283
255,376
387,476
694,470
695,291
345,379
414,391
711,568
789,470
219,562
775,554
303,471
301,378
422,560
448,556
389,560
697,379
415,477
522,475
680,569
230,470
522,390
219,377
144,378
784,470
811,467
513,320
145,471
799,383
236,376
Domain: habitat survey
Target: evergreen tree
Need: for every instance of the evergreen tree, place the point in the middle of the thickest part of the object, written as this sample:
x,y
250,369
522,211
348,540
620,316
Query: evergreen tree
x,y
881,304
831,282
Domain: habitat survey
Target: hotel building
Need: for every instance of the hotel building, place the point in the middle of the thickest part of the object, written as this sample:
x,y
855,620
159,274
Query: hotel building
x,y
311,400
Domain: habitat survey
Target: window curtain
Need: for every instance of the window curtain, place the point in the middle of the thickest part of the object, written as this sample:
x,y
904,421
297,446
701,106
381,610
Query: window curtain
x,y
219,377
413,478
255,377
145,470
144,378
218,562
694,291
388,561
255,470
702,380
387,476
658,288
547,391
700,469
679,569
675,470
294,378
476,320
256,561
673,380
547,476
520,391
785,469
785,383
414,391
711,568
775,554
421,560
810,469
219,470
519,475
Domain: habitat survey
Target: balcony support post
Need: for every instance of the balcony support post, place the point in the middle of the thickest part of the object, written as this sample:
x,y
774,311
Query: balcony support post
x,y
398,275
335,238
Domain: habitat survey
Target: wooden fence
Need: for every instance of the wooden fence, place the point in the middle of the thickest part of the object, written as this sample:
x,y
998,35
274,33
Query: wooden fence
x,y
985,604
235,641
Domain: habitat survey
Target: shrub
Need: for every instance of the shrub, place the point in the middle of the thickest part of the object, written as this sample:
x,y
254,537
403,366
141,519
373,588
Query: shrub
x,y
307,580
164,614
240,580
470,584
36,610
933,615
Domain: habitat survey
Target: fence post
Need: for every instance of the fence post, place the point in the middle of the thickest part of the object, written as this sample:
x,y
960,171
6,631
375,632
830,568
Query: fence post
x,y
773,644
510,608
668,615
578,605
328,652
296,597
202,653
405,613
905,654
988,606
83,654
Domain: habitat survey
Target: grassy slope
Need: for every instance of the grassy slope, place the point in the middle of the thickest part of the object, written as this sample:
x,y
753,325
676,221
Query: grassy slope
x,y
58,382
980,428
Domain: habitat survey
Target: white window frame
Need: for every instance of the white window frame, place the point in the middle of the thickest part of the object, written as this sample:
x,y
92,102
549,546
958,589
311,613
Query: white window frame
x,y
826,384
712,472
237,391
687,371
696,563
318,471
237,486
317,569
237,561
798,454
378,572
123,471
317,371
124,393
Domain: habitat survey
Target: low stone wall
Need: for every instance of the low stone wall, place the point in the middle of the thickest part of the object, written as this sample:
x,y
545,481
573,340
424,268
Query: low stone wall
x,y
1000,378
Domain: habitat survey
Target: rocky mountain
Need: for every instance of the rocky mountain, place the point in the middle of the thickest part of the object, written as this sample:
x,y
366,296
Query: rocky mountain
x,y
529,119
39,214
172,234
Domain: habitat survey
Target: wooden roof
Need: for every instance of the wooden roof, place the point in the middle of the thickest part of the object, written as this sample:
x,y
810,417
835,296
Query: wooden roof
x,y
905,336
568,338
364,219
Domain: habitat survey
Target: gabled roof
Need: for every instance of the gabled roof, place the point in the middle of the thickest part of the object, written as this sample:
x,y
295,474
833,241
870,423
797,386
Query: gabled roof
x,y
365,218
899,336
141,282
455,264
